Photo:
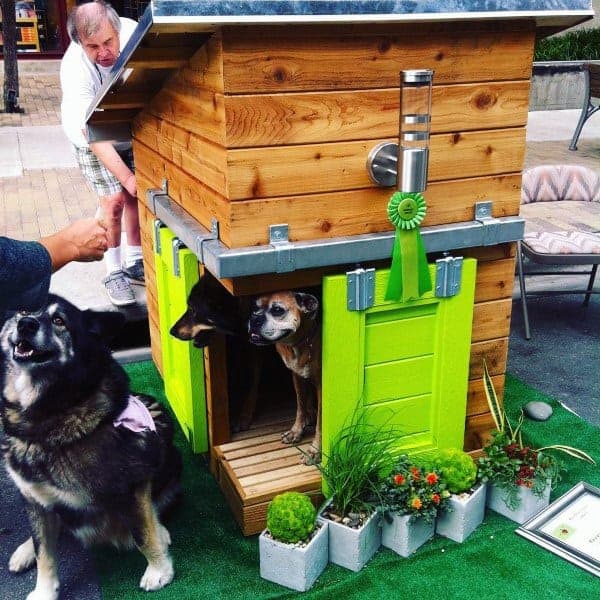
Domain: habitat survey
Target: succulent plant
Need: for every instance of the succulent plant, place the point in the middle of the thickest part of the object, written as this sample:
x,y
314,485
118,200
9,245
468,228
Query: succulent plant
x,y
291,517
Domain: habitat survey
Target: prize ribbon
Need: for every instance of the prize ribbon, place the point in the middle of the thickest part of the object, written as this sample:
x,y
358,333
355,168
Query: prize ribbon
x,y
409,274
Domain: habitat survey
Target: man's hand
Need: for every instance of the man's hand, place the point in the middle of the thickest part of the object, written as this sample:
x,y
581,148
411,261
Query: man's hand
x,y
84,240
130,185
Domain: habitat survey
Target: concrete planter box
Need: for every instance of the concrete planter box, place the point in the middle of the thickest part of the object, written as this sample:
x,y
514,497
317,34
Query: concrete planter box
x,y
404,536
294,566
529,504
353,548
465,515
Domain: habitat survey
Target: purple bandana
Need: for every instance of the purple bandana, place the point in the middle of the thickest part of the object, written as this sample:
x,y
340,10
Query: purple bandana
x,y
135,416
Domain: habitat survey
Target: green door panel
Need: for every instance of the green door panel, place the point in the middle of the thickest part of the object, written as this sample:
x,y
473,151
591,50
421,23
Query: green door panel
x,y
183,364
402,364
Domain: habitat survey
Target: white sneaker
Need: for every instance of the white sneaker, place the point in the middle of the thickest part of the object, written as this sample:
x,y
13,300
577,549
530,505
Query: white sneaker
x,y
118,289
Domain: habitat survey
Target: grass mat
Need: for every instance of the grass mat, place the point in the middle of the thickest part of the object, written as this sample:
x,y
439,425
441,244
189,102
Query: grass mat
x,y
213,560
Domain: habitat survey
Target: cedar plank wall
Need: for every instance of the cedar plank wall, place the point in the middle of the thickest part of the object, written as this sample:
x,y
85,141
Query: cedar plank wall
x,y
273,125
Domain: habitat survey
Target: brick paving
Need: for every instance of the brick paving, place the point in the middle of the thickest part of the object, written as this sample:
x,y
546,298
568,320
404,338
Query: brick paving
x,y
39,95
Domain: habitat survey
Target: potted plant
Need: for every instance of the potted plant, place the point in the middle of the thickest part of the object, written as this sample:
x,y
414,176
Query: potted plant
x,y
465,508
351,470
410,497
294,546
520,477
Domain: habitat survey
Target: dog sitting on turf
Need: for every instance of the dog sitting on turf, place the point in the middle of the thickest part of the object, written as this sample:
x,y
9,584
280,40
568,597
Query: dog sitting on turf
x,y
289,320
212,310
85,453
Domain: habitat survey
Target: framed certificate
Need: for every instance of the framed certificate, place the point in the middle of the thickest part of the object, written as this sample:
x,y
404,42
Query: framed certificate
x,y
570,527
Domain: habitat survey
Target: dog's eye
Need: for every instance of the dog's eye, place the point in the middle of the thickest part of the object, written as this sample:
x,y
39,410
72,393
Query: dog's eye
x,y
59,321
277,311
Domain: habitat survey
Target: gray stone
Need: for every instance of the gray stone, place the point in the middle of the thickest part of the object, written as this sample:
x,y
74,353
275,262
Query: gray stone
x,y
538,411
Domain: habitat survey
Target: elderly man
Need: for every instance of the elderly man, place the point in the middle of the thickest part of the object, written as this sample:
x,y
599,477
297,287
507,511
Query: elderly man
x,y
98,35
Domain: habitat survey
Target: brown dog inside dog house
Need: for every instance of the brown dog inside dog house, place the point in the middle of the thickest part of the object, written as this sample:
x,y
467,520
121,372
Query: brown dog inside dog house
x,y
286,320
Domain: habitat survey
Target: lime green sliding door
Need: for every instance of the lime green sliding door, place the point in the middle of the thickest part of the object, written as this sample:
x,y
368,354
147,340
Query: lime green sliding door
x,y
183,364
403,364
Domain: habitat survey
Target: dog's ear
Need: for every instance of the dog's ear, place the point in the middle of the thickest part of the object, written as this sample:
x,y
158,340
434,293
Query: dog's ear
x,y
308,303
107,325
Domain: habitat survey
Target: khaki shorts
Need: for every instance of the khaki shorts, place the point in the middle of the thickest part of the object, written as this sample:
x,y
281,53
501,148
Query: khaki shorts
x,y
103,182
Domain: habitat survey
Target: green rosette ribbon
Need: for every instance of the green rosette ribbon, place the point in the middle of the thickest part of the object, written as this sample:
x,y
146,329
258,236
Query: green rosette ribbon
x,y
409,274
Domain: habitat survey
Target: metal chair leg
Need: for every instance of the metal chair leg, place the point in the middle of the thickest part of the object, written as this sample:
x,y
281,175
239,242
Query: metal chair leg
x,y
523,291
590,286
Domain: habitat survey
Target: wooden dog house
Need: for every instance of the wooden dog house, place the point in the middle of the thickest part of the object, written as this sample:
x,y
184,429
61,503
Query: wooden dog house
x,y
252,124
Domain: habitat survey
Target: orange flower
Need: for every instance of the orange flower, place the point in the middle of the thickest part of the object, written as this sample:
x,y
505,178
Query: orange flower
x,y
436,498
399,479
416,503
415,473
432,478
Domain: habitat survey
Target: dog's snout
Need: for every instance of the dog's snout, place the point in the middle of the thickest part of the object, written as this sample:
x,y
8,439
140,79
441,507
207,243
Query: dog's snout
x,y
28,325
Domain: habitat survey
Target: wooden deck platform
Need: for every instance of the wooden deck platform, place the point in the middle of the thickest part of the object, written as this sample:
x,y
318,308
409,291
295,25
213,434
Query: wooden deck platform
x,y
256,466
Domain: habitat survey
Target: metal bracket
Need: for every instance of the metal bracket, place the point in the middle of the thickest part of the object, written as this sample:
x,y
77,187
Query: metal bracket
x,y
360,289
279,239
448,276
158,225
491,225
151,194
176,246
201,239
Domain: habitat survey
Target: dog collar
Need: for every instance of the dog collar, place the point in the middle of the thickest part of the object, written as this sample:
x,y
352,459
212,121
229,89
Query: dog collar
x,y
135,416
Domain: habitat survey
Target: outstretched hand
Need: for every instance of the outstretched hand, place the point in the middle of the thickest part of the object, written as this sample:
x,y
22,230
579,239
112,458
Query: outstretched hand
x,y
84,240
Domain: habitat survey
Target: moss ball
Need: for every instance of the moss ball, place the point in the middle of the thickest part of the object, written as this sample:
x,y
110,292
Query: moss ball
x,y
457,468
291,517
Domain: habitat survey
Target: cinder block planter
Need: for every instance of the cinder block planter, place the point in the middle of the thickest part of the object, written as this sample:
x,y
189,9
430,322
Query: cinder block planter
x,y
529,504
295,567
465,514
404,536
353,548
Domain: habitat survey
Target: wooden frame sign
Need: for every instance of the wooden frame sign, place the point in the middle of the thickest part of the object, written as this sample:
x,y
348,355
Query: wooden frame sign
x,y
570,527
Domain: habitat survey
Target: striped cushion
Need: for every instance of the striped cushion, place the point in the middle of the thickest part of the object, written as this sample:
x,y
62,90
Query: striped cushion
x,y
563,242
549,183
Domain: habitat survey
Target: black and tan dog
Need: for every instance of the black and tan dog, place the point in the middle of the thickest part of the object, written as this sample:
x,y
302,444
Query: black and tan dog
x,y
212,310
84,452
290,321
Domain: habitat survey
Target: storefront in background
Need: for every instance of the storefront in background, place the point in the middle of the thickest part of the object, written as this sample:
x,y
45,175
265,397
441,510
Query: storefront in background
x,y
42,24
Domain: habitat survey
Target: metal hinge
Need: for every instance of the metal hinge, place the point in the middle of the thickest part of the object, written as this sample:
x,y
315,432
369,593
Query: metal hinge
x,y
491,231
448,276
176,246
279,239
360,289
158,225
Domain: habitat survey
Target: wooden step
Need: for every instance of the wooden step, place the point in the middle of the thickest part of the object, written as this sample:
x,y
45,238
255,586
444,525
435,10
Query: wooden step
x,y
256,466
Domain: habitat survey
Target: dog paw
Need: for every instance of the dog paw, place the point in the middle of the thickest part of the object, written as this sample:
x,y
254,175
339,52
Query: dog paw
x,y
292,436
22,558
312,456
157,576
48,591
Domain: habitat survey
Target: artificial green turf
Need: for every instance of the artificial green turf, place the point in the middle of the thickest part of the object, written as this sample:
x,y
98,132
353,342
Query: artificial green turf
x,y
214,561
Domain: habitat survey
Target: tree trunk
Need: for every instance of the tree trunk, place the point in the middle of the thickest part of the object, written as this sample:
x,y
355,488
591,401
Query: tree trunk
x,y
11,68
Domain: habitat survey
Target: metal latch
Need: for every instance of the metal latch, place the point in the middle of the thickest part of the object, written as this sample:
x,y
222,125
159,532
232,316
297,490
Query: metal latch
x,y
448,276
279,239
491,225
176,246
360,289
158,225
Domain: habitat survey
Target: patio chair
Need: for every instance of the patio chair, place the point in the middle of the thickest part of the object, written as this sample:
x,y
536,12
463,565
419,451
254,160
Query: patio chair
x,y
561,208
591,86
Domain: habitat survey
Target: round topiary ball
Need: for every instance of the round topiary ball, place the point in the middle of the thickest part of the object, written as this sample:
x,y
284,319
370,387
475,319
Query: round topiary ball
x,y
291,517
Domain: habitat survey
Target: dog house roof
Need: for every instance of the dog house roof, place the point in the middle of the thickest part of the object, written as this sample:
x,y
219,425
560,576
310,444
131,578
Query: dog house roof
x,y
145,63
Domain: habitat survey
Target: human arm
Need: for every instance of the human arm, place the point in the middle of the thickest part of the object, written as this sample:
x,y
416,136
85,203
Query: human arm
x,y
26,267
110,158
